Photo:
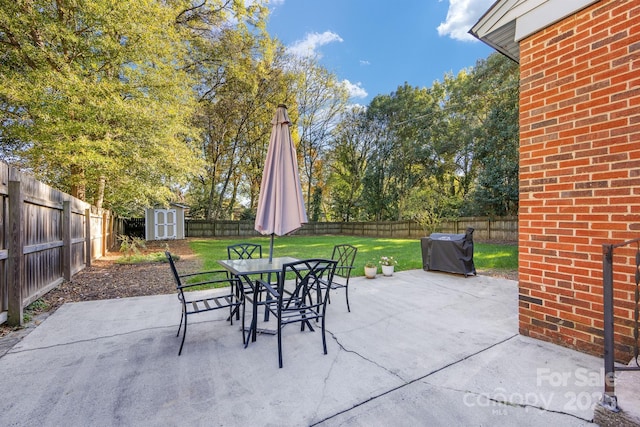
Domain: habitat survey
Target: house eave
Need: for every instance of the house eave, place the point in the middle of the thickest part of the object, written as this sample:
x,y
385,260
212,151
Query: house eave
x,y
507,22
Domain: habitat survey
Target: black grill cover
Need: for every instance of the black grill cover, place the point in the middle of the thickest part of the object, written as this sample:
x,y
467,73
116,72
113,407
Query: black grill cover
x,y
452,253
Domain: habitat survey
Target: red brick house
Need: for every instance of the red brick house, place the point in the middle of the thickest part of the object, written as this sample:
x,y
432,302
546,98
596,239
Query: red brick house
x,y
579,161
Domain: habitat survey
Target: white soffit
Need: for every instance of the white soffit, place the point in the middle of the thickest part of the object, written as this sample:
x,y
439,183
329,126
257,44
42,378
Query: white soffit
x,y
509,21
547,13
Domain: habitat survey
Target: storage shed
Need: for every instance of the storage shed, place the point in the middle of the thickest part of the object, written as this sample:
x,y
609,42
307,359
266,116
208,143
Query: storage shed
x,y
162,223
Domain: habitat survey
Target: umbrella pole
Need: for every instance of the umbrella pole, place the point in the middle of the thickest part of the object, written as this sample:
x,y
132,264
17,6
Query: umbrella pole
x,y
271,249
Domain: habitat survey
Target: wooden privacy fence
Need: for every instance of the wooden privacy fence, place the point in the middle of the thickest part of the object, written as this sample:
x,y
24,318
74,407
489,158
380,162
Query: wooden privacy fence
x,y
46,236
503,229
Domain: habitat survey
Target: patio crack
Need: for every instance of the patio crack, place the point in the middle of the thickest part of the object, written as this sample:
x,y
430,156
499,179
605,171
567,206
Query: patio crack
x,y
343,348
406,383
84,340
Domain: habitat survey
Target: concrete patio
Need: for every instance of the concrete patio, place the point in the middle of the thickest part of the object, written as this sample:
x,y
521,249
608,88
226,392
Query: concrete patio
x,y
418,348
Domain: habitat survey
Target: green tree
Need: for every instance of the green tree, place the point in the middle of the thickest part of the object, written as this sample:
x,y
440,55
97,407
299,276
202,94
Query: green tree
x,y
407,119
353,141
428,207
95,99
464,112
496,192
243,79
480,118
438,152
321,99
377,199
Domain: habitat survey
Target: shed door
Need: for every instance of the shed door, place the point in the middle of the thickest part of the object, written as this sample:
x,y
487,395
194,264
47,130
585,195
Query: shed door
x,y
166,224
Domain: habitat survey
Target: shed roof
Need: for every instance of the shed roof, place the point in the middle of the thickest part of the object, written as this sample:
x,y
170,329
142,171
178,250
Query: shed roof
x,y
507,22
174,204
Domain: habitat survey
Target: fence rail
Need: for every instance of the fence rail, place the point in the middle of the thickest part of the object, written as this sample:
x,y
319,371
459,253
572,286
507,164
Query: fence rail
x,y
504,229
46,236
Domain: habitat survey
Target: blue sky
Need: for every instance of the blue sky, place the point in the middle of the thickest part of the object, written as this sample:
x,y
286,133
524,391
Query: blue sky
x,y
376,46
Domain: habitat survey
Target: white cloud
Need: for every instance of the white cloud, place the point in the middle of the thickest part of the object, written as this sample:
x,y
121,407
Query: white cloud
x,y
364,62
276,2
355,89
312,42
462,15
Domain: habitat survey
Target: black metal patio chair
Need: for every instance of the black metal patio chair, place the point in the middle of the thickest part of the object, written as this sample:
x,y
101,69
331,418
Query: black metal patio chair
x,y
245,251
345,256
206,300
300,296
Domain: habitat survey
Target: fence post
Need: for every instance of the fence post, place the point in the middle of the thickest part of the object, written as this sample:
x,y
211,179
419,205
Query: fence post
x,y
66,240
87,237
105,232
15,270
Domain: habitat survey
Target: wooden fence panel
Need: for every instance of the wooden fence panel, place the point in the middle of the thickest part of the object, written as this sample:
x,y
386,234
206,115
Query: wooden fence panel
x,y
505,229
480,226
49,236
199,228
42,248
117,228
4,253
227,228
354,228
96,235
78,238
42,239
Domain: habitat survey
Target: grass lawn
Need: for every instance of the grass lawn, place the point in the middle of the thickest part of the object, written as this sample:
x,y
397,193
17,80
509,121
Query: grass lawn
x,y
407,251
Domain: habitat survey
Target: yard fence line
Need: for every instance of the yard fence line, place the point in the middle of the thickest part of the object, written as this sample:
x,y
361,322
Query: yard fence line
x,y
46,236
486,229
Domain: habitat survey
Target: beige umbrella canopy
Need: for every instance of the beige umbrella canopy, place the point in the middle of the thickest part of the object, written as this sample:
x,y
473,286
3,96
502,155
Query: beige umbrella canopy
x,y
280,204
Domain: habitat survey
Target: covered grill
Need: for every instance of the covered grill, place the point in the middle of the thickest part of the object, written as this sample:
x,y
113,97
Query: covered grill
x,y
452,253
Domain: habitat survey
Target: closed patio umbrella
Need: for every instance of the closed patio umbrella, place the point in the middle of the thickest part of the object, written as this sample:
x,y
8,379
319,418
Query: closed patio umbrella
x,y
280,204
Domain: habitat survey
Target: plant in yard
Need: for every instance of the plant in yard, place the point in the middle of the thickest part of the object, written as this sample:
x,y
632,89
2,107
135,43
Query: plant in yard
x,y
370,269
145,258
388,260
131,245
36,307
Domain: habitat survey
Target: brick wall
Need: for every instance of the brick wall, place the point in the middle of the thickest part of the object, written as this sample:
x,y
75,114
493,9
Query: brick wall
x,y
579,174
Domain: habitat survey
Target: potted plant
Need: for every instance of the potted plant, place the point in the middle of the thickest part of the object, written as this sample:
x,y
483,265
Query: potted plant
x,y
370,270
388,263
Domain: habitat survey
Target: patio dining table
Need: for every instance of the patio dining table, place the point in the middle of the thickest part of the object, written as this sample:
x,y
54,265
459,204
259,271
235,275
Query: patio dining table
x,y
246,270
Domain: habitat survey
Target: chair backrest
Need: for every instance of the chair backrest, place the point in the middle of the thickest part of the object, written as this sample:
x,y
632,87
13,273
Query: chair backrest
x,y
310,277
345,256
176,276
244,251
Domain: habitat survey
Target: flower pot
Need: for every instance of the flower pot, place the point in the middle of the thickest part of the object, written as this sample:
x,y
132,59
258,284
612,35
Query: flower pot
x,y
370,272
387,270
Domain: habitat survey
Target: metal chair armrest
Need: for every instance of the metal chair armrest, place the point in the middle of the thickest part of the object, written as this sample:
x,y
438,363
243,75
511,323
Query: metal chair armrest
x,y
204,272
209,282
344,267
267,286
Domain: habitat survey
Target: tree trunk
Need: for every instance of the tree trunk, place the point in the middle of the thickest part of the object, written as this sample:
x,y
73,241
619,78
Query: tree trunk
x,y
100,196
78,184
212,190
